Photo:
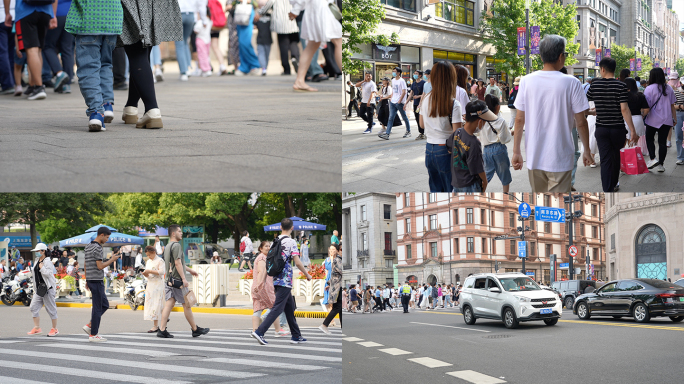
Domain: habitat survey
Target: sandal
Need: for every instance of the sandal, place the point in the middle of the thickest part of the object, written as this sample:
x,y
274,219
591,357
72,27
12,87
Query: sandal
x,y
304,89
153,330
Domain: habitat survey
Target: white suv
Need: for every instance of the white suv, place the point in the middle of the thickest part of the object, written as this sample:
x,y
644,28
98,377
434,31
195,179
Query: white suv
x,y
511,297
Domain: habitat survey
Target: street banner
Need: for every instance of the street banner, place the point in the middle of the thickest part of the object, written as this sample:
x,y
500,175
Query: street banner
x,y
638,64
535,38
667,70
598,56
521,40
607,52
656,64
631,64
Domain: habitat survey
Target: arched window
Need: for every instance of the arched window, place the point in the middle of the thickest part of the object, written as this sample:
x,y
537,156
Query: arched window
x,y
651,253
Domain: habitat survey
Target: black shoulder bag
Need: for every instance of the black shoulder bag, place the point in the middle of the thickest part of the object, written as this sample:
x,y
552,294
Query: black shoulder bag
x,y
171,282
41,286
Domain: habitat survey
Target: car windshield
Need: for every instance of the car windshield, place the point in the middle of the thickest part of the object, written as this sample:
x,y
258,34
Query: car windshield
x,y
522,283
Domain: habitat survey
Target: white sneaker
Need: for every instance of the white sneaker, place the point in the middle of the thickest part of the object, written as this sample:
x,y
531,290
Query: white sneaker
x,y
97,339
206,73
652,163
196,73
130,115
86,328
151,119
239,73
324,329
660,168
679,162
669,143
184,78
158,75
255,72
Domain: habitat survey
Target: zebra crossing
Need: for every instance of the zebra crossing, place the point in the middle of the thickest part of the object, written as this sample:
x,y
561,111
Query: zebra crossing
x,y
221,356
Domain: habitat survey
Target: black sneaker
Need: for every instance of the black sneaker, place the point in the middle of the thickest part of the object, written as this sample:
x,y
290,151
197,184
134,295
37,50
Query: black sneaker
x,y
295,64
164,334
199,331
29,89
38,93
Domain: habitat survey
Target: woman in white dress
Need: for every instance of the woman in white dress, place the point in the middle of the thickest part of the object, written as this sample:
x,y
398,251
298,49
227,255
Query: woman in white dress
x,y
154,293
319,25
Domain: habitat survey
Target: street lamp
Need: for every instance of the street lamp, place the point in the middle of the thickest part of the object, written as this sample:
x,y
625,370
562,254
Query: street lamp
x,y
570,215
527,40
522,229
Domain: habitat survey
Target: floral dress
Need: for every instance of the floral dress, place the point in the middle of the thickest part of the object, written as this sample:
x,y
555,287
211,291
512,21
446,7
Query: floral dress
x,y
154,293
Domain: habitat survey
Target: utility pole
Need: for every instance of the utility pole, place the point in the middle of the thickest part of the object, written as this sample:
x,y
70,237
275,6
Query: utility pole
x,y
570,217
527,53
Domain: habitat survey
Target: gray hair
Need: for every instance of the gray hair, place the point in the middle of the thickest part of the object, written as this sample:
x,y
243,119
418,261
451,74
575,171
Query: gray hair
x,y
551,47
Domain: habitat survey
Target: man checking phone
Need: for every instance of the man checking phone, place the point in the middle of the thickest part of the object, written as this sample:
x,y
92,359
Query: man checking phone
x,y
94,272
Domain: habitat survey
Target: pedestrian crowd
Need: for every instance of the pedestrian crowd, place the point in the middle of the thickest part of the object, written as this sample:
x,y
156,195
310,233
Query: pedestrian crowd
x,y
387,297
559,118
114,45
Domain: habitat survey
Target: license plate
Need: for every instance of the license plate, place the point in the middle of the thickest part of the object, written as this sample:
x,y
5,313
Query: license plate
x,y
545,311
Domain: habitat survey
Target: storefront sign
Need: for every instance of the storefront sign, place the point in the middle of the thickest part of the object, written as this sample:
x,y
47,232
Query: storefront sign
x,y
521,40
391,52
535,38
19,241
638,64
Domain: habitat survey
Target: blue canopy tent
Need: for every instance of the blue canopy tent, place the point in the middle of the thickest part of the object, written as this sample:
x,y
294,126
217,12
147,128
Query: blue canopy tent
x,y
298,225
115,239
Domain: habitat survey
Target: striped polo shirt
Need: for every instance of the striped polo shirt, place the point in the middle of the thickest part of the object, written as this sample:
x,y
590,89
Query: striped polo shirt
x,y
607,94
93,253
679,95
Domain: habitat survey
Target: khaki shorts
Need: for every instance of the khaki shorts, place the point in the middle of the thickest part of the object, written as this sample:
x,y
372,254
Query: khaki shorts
x,y
355,303
175,293
542,181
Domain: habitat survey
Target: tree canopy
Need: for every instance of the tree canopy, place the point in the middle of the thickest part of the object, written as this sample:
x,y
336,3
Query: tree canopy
x,y
360,20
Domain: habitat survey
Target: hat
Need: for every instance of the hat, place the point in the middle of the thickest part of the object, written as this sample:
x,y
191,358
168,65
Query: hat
x,y
40,247
216,253
479,108
427,71
673,75
480,80
517,81
386,78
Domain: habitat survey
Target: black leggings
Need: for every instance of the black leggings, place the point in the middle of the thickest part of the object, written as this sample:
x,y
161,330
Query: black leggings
x,y
141,84
663,131
336,309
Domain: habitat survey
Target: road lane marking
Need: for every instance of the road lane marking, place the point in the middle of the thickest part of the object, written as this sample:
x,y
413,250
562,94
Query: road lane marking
x,y
395,351
663,327
90,373
352,339
261,351
369,344
15,380
475,377
430,362
451,326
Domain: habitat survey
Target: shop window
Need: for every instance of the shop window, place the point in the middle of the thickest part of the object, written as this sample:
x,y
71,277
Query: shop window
x,y
407,5
458,11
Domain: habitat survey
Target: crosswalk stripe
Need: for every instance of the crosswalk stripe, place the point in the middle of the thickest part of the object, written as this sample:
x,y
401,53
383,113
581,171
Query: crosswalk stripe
x,y
10,341
268,334
475,377
261,352
430,362
243,338
251,344
395,351
136,364
352,339
95,347
94,374
16,380
370,344
261,363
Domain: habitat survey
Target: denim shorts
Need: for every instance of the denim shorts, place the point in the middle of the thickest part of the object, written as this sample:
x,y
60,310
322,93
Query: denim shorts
x,y
21,62
496,160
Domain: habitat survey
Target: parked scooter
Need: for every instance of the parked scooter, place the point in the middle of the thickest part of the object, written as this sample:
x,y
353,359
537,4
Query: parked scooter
x,y
135,291
19,288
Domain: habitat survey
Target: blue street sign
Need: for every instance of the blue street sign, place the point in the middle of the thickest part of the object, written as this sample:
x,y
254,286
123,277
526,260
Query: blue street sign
x,y
554,215
524,210
529,273
522,249
563,265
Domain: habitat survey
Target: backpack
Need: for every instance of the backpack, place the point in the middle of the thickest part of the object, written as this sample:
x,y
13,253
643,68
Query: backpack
x,y
218,16
243,12
243,246
511,98
274,260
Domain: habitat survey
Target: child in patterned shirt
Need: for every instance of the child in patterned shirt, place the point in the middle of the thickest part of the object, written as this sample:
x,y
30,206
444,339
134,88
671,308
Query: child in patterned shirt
x,y
95,25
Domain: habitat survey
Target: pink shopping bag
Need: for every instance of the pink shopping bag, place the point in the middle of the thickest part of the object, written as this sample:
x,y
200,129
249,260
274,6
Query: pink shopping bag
x,y
632,161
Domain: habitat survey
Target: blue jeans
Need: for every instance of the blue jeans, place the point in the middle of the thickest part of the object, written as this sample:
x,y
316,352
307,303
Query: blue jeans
x,y
577,153
437,162
248,59
496,160
95,77
680,135
6,57
155,57
393,112
182,48
475,187
264,51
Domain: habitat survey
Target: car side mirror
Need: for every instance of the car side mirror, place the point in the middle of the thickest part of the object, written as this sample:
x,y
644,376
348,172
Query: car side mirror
x,y
495,290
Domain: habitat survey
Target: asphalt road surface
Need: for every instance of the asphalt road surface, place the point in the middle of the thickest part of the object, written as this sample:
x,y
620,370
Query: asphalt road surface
x,y
226,354
223,133
438,347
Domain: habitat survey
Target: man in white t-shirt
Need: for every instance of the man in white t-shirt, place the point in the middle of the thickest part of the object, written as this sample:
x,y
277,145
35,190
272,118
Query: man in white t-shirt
x,y
547,102
368,90
493,89
247,252
399,93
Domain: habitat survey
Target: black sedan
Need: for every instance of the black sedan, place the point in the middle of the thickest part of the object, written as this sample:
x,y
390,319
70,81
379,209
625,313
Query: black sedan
x,y
641,299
